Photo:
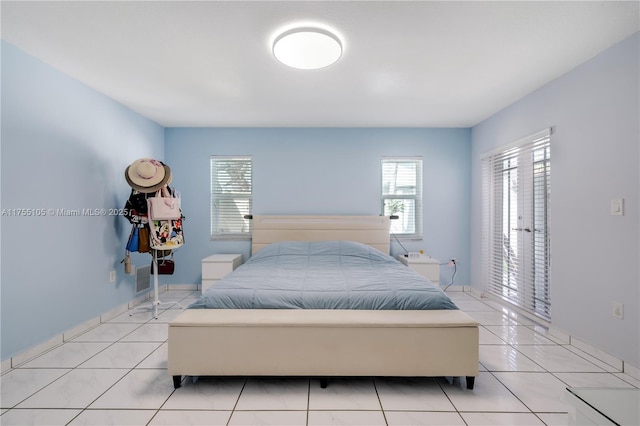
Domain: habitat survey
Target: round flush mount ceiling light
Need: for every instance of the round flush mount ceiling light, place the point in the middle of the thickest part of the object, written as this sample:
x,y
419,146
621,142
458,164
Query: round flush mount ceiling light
x,y
307,48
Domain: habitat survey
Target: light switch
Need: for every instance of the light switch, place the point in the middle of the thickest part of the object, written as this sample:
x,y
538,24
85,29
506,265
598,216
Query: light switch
x,y
617,207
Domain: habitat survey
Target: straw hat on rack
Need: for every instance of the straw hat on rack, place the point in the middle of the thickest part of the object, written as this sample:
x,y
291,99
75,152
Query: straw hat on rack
x,y
147,175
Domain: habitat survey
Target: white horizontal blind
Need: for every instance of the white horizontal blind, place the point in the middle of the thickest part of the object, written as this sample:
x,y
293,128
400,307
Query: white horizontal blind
x,y
402,195
231,196
516,252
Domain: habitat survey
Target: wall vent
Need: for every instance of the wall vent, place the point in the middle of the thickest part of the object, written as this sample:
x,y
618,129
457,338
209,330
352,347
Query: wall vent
x,y
143,278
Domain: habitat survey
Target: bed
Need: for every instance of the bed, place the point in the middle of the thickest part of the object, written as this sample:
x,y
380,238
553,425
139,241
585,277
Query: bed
x,y
321,297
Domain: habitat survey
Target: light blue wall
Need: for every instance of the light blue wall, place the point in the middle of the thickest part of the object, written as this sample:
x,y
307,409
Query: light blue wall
x,y
594,111
324,171
64,146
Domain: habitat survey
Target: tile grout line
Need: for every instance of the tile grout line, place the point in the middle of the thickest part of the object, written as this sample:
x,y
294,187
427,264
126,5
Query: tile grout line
x,y
375,388
308,401
457,411
157,411
235,405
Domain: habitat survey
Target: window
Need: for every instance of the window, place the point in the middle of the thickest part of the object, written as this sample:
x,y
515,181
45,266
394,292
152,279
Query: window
x,y
516,255
402,195
231,188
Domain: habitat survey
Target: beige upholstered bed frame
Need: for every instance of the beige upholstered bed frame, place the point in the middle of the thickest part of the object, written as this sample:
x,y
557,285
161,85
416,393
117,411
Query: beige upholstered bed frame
x,y
370,230
322,343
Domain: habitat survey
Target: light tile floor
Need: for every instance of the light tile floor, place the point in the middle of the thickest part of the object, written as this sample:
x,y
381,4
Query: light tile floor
x,y
115,374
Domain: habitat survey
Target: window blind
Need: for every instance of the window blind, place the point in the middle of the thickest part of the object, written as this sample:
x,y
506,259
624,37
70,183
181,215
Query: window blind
x,y
516,250
231,196
402,195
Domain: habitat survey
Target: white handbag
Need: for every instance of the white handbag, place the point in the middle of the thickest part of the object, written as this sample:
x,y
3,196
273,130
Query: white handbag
x,y
163,206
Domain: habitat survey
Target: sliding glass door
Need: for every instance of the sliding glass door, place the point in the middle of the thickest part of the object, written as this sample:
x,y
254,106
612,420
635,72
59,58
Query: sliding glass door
x,y
516,239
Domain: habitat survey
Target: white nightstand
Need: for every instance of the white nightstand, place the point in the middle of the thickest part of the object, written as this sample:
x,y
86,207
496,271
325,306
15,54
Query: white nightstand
x,y
216,266
426,266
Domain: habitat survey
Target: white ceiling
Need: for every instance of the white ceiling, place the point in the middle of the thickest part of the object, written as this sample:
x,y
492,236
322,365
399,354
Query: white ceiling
x,y
405,64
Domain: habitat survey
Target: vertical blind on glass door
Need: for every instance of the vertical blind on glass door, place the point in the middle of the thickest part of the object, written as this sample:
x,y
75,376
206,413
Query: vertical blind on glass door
x,y
516,250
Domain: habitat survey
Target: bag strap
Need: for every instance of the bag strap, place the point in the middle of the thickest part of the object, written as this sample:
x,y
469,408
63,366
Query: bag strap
x,y
169,200
133,226
167,259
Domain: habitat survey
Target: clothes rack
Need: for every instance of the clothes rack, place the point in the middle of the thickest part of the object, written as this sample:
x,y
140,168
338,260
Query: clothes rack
x,y
147,176
156,296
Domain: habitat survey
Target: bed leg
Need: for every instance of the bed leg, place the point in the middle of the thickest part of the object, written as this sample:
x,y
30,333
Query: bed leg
x,y
470,381
323,383
176,381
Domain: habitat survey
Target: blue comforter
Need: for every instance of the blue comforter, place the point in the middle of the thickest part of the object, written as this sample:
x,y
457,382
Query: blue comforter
x,y
323,275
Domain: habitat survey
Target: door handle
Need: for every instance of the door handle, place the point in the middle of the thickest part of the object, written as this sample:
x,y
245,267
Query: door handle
x,y
521,229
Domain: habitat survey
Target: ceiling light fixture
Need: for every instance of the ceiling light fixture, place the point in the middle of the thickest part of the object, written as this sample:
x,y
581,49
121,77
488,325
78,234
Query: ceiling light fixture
x,y
307,48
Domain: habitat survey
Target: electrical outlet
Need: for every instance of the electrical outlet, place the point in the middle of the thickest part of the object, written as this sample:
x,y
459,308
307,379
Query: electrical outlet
x,y
453,262
112,276
617,207
618,310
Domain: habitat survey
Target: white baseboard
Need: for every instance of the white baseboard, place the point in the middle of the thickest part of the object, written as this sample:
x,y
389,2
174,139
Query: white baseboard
x,y
29,354
5,365
55,341
82,328
631,370
455,288
114,313
616,364
475,292
35,351
184,287
560,335
140,299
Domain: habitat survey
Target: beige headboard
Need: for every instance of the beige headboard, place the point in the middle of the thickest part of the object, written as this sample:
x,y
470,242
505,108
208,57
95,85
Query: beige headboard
x,y
370,230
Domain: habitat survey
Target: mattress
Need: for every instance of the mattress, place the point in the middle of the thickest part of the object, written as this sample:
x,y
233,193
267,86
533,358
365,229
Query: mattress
x,y
323,275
